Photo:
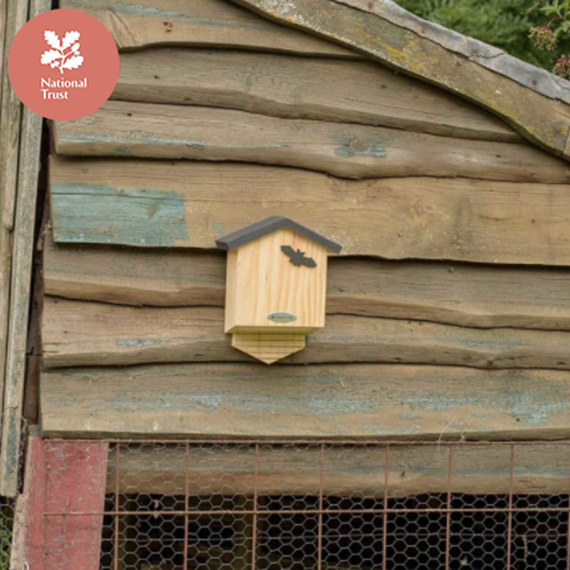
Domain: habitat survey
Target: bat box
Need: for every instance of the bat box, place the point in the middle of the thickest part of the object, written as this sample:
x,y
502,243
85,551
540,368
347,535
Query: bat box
x,y
276,287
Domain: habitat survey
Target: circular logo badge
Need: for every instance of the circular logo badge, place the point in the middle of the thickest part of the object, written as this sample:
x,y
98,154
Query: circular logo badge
x,y
63,64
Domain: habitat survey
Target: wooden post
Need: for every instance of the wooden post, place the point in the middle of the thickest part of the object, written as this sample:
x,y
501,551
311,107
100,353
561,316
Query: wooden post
x,y
75,482
18,192
10,111
62,478
27,544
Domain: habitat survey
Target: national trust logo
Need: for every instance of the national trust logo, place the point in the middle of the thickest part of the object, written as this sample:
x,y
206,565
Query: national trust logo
x,y
63,64
57,56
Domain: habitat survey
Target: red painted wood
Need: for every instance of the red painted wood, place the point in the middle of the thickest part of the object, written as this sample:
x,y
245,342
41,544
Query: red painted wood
x,y
27,546
62,478
76,475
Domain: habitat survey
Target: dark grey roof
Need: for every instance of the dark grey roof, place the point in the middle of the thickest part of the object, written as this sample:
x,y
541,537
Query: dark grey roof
x,y
269,226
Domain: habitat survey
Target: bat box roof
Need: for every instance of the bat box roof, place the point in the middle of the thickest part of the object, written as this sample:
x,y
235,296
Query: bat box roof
x,y
268,226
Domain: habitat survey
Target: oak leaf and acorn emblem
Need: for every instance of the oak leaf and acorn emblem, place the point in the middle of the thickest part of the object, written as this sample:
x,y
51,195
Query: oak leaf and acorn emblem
x,y
65,52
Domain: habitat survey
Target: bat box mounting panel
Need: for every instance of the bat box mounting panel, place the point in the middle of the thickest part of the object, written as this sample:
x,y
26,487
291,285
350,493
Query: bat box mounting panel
x,y
276,287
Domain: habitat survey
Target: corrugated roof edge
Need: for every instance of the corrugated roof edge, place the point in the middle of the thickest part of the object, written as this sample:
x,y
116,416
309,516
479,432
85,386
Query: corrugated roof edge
x,y
268,226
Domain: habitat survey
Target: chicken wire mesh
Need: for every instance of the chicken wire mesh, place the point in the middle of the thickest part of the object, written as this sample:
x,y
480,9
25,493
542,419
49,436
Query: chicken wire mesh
x,y
6,527
7,504
303,505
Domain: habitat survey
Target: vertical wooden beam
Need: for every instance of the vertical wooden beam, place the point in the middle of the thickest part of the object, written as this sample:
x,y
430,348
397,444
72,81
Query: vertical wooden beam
x,y
3,23
23,226
75,483
27,544
62,478
10,112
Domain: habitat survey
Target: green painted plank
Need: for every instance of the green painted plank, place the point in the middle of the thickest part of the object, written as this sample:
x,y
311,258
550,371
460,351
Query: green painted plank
x,y
148,203
139,217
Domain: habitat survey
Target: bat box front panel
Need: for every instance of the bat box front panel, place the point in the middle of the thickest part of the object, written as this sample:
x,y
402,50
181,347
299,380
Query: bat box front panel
x,y
277,281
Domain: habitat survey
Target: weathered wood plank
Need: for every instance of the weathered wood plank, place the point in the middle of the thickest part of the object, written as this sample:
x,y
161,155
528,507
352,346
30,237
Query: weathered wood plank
x,y
75,480
348,150
61,478
3,26
92,334
353,471
161,204
356,400
380,32
135,276
16,13
29,519
20,288
300,88
136,24
457,294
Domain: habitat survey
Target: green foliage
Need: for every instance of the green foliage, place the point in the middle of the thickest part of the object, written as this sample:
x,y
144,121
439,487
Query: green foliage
x,y
503,23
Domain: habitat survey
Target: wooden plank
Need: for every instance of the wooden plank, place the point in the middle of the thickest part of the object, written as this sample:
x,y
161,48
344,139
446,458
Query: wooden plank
x,y
61,478
20,288
353,471
162,204
17,14
92,334
136,276
355,400
75,480
384,33
457,294
10,111
29,521
349,150
136,24
3,30
300,88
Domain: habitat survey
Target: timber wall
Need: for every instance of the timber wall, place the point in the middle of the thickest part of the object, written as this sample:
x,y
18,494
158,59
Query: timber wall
x,y
448,312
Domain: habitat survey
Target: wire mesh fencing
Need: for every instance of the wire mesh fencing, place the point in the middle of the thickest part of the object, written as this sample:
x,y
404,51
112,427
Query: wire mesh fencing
x,y
8,505
116,505
6,528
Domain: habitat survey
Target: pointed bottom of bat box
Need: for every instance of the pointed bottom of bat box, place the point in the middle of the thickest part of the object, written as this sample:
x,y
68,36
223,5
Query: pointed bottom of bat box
x,y
269,347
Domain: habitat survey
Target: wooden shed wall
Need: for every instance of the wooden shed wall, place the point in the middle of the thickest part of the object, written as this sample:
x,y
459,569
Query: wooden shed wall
x,y
449,311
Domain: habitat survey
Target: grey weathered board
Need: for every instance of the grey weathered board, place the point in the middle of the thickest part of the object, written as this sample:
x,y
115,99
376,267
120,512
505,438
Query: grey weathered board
x,y
358,471
457,294
93,334
148,203
379,31
353,400
136,24
347,150
23,155
15,16
301,88
3,23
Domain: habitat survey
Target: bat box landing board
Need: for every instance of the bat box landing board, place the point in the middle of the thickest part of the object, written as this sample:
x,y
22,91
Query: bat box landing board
x,y
276,287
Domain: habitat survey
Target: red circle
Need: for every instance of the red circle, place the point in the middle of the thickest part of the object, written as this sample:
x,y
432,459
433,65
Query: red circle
x,y
85,64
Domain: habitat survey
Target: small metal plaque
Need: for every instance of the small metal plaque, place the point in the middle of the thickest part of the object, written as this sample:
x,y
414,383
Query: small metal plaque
x,y
282,317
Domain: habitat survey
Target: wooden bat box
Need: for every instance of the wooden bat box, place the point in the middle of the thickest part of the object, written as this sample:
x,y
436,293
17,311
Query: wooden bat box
x,y
276,287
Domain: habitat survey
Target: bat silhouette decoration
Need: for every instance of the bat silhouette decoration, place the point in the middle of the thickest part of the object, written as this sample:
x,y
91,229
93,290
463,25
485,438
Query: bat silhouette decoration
x,y
298,258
